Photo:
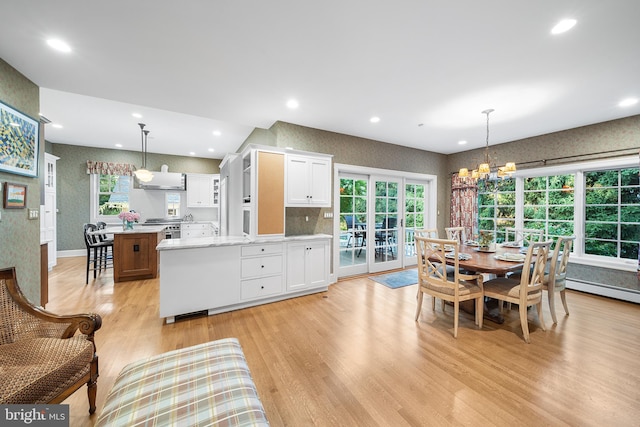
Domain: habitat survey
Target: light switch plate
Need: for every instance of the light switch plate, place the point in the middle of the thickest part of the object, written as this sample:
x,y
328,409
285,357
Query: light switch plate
x,y
33,213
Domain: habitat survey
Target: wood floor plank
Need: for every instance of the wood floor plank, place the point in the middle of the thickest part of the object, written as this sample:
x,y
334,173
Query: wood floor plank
x,y
355,356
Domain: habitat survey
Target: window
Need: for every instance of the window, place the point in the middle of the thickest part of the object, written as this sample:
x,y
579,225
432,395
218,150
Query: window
x,y
110,195
172,203
597,201
612,213
496,206
549,205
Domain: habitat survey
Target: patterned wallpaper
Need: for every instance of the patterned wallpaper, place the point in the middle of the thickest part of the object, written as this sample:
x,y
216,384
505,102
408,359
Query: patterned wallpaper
x,y
20,237
73,182
352,150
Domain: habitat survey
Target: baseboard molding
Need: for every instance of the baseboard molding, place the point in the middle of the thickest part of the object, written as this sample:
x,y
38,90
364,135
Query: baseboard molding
x,y
72,253
605,291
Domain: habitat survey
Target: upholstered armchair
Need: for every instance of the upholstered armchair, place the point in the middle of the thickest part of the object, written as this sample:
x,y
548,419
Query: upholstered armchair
x,y
42,358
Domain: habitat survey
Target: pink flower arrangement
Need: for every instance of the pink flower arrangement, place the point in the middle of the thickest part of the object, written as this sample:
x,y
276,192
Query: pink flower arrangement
x,y
129,216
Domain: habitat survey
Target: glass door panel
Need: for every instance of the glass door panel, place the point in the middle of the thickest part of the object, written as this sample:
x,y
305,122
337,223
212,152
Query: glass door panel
x,y
415,214
387,238
353,224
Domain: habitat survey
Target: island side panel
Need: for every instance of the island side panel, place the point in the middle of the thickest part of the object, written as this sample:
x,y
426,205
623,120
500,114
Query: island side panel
x,y
135,256
198,279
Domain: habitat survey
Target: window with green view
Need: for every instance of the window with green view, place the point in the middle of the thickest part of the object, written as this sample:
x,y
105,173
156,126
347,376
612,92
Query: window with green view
x,y
113,194
549,205
612,213
496,206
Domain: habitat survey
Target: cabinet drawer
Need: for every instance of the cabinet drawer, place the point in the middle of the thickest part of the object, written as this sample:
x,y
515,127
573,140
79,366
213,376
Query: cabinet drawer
x,y
195,226
261,266
252,250
258,288
196,233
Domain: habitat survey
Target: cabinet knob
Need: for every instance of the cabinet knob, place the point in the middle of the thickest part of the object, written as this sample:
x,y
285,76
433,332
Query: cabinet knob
x,y
261,287
262,249
262,266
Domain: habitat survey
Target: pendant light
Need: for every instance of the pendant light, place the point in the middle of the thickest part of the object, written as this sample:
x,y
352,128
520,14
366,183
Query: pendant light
x,y
488,167
143,174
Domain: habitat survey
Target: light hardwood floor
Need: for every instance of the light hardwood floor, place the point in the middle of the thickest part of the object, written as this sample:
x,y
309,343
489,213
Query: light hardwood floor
x,y
353,356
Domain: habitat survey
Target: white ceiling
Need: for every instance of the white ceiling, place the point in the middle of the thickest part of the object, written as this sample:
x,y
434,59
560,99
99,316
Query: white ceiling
x,y
426,68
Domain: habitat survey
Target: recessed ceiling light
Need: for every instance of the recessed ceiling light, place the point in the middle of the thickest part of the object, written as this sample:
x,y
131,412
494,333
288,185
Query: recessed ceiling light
x,y
293,104
57,126
462,142
211,150
119,145
59,45
191,153
628,102
374,119
137,115
217,133
563,26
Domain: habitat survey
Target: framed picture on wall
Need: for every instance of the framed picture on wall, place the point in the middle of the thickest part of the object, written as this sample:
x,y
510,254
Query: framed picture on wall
x,y
15,196
19,138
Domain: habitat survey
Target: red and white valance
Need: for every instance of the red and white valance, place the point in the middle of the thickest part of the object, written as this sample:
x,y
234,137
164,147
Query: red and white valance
x,y
110,168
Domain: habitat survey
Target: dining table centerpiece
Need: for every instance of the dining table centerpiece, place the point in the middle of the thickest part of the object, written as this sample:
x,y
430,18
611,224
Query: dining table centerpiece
x,y
486,241
128,219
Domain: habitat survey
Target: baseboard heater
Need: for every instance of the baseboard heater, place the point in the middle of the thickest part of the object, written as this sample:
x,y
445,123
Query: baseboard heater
x,y
191,315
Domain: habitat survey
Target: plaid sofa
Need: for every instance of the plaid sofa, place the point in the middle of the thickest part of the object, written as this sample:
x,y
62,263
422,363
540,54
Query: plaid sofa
x,y
206,384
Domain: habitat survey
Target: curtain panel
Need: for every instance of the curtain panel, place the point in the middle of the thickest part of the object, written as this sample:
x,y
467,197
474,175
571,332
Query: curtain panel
x,y
464,205
110,168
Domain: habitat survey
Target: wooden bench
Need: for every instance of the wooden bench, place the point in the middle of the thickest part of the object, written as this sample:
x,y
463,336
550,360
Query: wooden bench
x,y
206,384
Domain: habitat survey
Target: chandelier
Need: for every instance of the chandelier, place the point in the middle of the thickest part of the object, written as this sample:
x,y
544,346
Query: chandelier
x,y
143,174
485,169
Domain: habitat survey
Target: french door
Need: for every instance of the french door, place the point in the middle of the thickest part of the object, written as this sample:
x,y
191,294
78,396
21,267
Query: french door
x,y
384,228
416,216
377,219
354,214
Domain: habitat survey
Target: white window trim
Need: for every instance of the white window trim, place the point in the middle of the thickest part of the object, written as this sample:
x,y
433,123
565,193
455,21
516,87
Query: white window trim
x,y
578,256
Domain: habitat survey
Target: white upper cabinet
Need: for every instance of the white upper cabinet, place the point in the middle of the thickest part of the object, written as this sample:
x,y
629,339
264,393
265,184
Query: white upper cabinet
x,y
308,181
201,190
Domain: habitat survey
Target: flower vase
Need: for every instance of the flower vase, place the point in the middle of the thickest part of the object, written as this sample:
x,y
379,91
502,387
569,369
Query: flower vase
x,y
486,242
127,225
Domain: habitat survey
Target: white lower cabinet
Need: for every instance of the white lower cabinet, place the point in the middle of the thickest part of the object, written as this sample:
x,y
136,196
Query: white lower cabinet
x,y
234,276
307,264
261,271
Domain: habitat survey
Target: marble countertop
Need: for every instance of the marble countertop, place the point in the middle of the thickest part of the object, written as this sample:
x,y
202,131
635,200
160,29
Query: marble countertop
x,y
206,242
137,229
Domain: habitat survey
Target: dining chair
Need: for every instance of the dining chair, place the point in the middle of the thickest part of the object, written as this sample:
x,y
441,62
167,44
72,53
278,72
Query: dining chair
x,y
431,233
522,236
434,280
356,234
456,233
386,237
555,280
97,252
525,289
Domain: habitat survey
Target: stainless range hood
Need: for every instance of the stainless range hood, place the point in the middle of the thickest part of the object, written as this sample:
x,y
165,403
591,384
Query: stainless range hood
x,y
163,180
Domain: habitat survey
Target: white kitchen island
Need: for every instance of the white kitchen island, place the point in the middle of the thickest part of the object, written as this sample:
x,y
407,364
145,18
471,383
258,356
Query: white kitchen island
x,y
220,274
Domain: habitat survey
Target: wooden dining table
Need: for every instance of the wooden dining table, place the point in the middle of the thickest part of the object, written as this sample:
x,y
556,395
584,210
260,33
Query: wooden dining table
x,y
487,263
